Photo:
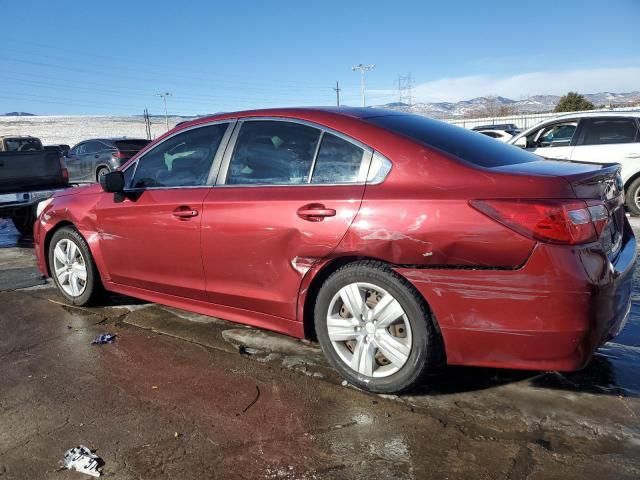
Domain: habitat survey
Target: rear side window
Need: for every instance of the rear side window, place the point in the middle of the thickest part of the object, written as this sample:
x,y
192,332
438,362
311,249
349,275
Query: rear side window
x,y
22,144
183,160
338,161
131,145
603,131
469,146
273,153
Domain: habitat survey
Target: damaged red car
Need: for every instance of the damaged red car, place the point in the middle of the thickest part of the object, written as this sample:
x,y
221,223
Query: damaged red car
x,y
399,242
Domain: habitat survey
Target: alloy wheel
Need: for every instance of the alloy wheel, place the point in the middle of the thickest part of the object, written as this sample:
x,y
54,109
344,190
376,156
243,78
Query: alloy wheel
x,y
369,329
70,267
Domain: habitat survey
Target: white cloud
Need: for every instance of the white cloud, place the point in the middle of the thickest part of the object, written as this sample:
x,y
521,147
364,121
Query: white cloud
x,y
595,80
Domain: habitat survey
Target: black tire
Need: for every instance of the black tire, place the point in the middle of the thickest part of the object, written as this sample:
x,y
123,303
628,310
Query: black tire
x,y
426,349
101,171
25,220
633,192
93,288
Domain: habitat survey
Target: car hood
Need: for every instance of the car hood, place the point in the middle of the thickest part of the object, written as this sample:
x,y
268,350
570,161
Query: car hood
x,y
79,190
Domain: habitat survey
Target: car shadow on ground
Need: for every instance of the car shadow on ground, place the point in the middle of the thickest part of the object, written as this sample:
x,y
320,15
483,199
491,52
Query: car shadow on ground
x,y
598,377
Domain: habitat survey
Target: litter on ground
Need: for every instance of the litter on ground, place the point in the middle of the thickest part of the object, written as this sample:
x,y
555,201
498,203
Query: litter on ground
x,y
104,338
82,460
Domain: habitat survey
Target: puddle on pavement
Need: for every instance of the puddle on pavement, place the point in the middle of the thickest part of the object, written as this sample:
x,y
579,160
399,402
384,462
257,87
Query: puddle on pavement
x,y
10,237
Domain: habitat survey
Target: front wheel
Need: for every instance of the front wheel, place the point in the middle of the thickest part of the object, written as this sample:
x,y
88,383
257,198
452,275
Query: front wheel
x,y
632,199
25,220
375,328
72,267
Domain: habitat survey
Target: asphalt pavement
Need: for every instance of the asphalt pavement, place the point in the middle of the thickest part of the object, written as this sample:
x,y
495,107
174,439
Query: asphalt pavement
x,y
181,395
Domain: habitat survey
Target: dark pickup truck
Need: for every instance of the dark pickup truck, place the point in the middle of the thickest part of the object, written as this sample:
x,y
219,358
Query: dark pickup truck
x,y
29,173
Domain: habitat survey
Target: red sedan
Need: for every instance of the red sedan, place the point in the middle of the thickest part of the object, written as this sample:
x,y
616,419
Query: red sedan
x,y
399,242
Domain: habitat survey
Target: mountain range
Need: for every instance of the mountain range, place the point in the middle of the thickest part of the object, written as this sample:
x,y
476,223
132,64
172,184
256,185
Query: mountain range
x,y
501,106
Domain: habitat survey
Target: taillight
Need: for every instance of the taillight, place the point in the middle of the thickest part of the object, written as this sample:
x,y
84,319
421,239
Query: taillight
x,y
63,169
118,154
555,221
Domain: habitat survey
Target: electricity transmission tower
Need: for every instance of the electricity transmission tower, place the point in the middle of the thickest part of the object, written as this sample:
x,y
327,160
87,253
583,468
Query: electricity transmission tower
x,y
362,68
405,89
164,98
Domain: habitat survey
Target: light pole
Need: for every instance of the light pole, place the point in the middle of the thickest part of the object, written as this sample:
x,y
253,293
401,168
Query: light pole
x,y
164,98
362,68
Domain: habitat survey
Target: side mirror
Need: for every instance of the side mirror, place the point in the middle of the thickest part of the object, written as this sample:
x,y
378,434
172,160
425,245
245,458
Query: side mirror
x,y
112,182
521,142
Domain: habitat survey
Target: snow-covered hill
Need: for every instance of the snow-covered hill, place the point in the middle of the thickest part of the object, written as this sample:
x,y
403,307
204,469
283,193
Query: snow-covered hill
x,y
497,106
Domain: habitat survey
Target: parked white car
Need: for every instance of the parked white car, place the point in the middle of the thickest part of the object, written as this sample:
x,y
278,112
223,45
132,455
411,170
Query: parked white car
x,y
501,135
598,137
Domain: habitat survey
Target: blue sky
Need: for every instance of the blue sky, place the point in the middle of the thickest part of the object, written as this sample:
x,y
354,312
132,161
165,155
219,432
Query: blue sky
x,y
85,57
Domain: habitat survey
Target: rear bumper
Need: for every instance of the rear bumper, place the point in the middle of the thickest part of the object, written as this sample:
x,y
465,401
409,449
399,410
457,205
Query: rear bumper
x,y
550,314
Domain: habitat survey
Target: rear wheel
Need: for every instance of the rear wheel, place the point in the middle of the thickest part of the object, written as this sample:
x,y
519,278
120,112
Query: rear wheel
x,y
72,267
375,328
632,199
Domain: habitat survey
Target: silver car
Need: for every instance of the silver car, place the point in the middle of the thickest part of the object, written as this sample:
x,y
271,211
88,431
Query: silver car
x,y
90,159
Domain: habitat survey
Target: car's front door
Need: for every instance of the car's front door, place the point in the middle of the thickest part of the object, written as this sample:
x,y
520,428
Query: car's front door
x,y
150,236
610,140
553,141
285,196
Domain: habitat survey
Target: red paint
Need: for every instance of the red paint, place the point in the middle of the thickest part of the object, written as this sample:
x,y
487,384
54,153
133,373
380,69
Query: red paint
x,y
500,297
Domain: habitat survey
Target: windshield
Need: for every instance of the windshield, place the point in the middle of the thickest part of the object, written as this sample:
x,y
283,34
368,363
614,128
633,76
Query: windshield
x,y
472,147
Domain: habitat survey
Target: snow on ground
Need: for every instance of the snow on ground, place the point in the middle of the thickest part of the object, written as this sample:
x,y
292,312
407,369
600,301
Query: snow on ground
x,y
73,129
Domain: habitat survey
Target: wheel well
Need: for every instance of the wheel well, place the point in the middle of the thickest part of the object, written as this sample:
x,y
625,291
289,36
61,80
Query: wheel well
x,y
630,181
47,241
319,279
101,167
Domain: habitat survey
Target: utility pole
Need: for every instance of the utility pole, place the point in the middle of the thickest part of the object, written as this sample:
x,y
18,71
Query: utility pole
x,y
164,98
337,90
362,68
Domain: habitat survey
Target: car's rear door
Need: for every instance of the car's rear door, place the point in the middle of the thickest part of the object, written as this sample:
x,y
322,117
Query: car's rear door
x,y
150,236
285,196
610,140
73,161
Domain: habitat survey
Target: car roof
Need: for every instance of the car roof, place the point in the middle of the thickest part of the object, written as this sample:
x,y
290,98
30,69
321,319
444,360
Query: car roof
x,y
599,113
308,113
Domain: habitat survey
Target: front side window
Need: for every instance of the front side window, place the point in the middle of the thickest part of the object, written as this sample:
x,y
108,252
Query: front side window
x,y
273,153
183,160
338,161
603,131
556,135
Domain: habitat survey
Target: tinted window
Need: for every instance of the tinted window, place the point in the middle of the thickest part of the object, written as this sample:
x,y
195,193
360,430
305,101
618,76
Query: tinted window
x,y
338,161
467,145
556,135
610,130
22,144
183,160
80,149
273,153
131,145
